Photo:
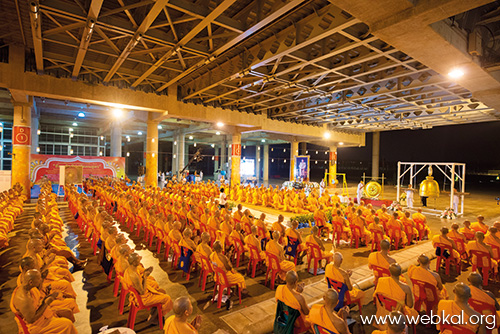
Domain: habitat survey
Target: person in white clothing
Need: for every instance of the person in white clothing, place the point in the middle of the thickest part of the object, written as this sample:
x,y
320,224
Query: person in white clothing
x,y
359,192
409,196
222,199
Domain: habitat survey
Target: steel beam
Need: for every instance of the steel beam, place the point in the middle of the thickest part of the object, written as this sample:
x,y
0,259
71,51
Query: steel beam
x,y
36,32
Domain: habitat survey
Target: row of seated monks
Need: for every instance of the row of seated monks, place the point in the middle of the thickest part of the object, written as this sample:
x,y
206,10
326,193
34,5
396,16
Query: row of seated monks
x,y
44,300
11,206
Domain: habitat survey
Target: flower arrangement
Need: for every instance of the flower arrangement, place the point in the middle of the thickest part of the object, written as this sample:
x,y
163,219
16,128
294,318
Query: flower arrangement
x,y
395,206
448,214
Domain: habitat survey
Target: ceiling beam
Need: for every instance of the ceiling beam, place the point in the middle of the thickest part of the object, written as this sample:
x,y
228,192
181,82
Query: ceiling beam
x,y
189,36
141,30
95,8
36,32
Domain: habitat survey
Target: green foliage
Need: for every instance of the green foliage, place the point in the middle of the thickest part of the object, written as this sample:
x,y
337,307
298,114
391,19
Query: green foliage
x,y
304,218
230,205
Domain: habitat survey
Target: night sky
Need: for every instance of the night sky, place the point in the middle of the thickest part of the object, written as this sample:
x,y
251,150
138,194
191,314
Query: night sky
x,y
477,145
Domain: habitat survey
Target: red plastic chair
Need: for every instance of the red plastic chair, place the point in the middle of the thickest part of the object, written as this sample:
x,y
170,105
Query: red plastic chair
x,y
139,305
380,272
480,260
347,296
390,305
394,233
427,295
461,248
255,259
273,267
356,235
485,309
22,323
496,251
247,228
206,269
222,283
408,229
337,229
454,329
422,231
378,236
239,249
447,260
314,254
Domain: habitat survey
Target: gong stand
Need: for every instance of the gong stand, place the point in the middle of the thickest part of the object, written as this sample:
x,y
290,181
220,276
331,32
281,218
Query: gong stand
x,y
453,171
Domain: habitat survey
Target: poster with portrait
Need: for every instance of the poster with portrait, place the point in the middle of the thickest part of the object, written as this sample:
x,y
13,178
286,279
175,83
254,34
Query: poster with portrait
x,y
301,167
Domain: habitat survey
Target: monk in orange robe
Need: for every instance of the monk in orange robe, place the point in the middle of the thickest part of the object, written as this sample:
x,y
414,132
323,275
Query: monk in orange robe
x,y
238,214
394,226
397,324
421,224
178,323
391,287
479,226
445,240
204,247
492,240
424,274
253,239
150,294
221,261
276,249
334,272
479,245
278,226
325,315
467,231
484,296
27,301
313,238
34,248
291,295
340,225
448,308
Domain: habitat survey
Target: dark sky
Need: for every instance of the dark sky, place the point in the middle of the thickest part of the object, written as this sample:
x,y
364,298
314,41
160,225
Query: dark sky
x,y
477,145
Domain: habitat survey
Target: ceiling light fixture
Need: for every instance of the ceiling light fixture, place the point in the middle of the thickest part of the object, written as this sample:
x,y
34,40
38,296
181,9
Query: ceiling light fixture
x,y
456,73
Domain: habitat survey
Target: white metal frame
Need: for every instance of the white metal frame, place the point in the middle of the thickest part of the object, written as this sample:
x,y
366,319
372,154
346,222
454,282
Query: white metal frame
x,y
449,169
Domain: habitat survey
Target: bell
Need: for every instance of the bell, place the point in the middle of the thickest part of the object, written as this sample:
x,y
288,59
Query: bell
x,y
429,187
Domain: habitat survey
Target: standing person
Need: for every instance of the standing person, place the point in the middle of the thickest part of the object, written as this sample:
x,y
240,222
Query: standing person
x,y
201,175
162,180
359,192
409,196
321,187
222,199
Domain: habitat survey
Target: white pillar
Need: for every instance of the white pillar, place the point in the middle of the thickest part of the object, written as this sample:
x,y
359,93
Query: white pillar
x,y
116,139
265,177
223,155
216,157
258,154
175,146
181,146
375,154
35,122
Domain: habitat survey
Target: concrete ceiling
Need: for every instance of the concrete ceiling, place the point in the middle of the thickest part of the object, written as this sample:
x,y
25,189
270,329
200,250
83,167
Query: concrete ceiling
x,y
306,61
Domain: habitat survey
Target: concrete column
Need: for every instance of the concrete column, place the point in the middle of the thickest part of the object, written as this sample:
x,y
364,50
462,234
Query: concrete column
x,y
116,139
235,159
21,149
152,153
303,148
223,154
181,146
265,176
216,157
35,121
294,151
175,147
332,164
258,154
375,153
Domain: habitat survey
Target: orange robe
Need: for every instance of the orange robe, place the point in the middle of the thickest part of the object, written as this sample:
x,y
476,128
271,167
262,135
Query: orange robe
x,y
172,326
439,239
333,273
286,296
294,234
389,288
233,277
151,294
48,323
450,308
325,254
474,245
274,248
318,316
424,275
477,227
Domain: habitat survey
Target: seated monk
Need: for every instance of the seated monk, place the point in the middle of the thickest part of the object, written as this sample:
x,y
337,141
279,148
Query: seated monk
x,y
357,219
221,261
204,247
459,306
479,226
444,239
313,238
214,220
340,225
34,249
278,226
175,234
238,214
479,245
424,274
292,232
467,231
409,226
178,323
334,272
393,226
236,233
421,224
391,287
254,240
186,241
397,324
59,247
381,259
261,227
119,240
149,293
491,239
291,295
276,249
246,221
484,296
224,231
28,303
121,263
319,217
325,316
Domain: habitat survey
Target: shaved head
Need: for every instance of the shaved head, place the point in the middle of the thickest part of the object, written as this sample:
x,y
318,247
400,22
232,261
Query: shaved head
x,y
475,279
395,270
337,259
276,235
444,230
331,297
397,322
385,245
423,260
314,229
480,236
181,305
27,263
205,237
291,277
462,292
217,246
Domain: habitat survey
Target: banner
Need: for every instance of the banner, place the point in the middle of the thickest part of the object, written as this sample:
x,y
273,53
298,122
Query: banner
x,y
48,165
301,167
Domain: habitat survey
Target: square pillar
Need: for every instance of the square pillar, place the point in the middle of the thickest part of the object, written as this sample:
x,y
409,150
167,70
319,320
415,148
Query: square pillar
x,y
375,154
35,122
265,176
294,151
332,165
175,149
235,159
181,146
21,147
116,139
258,154
152,153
